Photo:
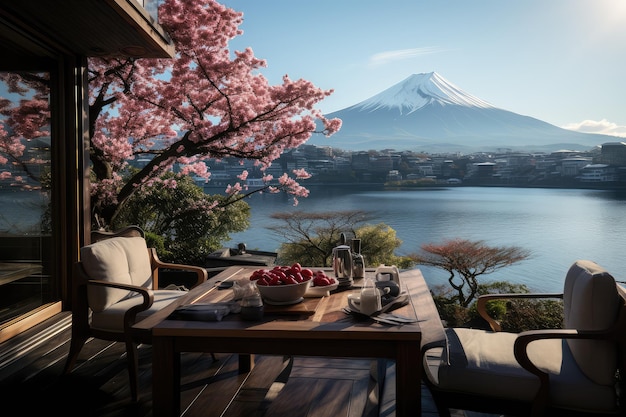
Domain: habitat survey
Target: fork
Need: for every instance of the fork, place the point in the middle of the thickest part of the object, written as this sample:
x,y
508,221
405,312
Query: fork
x,y
396,317
381,318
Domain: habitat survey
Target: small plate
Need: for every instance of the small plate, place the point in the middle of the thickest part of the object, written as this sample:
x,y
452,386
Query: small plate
x,y
283,303
321,291
202,312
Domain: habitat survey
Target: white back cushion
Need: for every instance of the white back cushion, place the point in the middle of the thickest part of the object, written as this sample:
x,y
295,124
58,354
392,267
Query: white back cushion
x,y
591,302
119,259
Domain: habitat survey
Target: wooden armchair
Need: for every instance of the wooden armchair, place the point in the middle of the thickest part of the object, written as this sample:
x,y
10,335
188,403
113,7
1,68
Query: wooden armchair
x,y
571,371
115,284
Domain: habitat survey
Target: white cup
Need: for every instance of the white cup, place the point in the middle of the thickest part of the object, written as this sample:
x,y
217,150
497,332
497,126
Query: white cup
x,y
367,302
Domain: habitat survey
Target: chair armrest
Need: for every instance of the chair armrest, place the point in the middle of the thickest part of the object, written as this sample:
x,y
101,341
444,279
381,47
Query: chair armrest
x,y
481,304
202,274
520,349
131,313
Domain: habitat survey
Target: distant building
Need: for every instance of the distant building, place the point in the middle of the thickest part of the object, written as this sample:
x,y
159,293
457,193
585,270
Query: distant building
x,y
598,173
360,161
571,167
483,169
381,163
613,153
394,175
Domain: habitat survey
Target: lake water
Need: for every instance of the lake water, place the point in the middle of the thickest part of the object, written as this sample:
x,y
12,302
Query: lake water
x,y
21,211
558,226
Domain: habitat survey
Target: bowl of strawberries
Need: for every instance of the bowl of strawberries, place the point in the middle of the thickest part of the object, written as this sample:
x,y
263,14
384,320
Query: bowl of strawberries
x,y
282,285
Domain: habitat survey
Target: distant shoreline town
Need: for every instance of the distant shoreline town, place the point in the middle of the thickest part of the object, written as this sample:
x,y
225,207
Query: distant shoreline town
x,y
601,167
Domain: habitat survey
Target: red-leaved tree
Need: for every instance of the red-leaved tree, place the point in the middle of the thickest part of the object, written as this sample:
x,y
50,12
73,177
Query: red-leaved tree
x,y
466,260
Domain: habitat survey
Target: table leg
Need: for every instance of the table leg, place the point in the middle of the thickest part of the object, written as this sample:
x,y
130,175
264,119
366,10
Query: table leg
x,y
165,378
408,380
246,363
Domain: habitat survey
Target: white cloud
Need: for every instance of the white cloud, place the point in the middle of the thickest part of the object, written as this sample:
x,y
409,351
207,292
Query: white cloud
x,y
400,54
603,127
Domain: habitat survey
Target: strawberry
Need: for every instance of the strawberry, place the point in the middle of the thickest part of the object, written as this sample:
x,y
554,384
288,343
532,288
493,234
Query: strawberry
x,y
320,281
296,267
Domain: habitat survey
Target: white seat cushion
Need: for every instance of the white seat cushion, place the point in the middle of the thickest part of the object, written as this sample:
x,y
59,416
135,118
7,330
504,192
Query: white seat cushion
x,y
591,302
120,259
482,362
112,318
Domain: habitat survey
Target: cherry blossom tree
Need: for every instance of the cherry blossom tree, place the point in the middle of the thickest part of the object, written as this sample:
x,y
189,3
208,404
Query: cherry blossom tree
x,y
206,103
23,120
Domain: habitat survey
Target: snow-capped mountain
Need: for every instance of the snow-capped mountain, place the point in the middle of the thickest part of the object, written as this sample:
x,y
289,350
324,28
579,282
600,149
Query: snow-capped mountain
x,y
425,112
420,90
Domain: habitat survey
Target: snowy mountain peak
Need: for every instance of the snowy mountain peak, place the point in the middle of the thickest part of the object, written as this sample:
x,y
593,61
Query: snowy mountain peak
x,y
419,90
426,113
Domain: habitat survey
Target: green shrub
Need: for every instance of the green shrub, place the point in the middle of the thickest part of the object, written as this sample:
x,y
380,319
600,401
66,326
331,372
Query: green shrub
x,y
514,315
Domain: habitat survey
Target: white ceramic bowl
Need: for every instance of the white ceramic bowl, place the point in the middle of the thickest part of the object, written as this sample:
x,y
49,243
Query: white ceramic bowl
x,y
283,294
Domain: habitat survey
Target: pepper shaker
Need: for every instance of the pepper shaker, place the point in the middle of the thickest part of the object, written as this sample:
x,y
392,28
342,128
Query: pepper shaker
x,y
358,262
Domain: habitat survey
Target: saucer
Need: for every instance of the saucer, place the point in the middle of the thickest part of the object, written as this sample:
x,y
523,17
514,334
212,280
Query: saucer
x,y
358,311
391,304
283,303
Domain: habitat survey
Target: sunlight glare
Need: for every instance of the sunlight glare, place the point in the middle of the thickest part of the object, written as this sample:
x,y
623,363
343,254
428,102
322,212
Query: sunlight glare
x,y
613,12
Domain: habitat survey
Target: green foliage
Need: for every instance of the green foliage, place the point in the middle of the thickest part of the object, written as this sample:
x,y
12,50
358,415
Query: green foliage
x,y
310,238
416,183
514,315
158,242
378,244
302,252
497,308
449,309
181,221
526,314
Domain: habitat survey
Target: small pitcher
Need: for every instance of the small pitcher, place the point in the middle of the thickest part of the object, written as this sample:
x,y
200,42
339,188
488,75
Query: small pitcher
x,y
342,262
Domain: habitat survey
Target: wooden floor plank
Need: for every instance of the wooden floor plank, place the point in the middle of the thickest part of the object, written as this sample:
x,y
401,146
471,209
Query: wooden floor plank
x,y
306,397
252,398
98,385
210,396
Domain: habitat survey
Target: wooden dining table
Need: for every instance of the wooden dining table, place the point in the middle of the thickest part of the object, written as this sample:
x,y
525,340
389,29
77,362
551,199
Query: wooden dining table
x,y
317,326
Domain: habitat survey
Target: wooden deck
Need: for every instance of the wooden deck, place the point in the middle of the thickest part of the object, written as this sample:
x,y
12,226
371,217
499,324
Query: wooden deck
x,y
31,375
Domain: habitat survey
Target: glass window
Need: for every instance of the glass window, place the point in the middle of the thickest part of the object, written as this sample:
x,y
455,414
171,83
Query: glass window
x,y
25,189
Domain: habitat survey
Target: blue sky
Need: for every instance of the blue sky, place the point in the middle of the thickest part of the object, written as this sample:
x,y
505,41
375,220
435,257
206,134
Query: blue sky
x,y
561,61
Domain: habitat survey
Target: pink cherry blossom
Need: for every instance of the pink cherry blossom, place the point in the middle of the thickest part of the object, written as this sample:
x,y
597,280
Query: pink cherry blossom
x,y
208,102
27,118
